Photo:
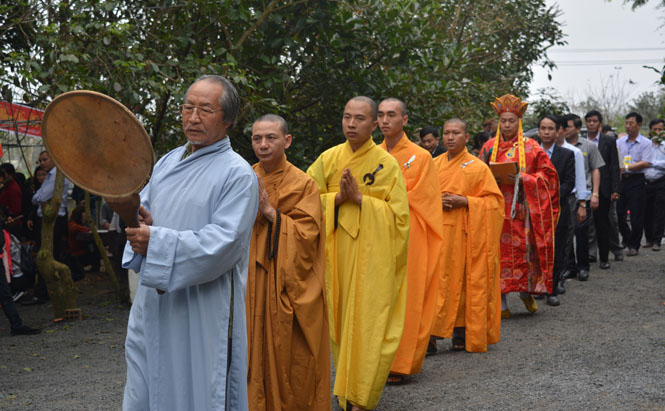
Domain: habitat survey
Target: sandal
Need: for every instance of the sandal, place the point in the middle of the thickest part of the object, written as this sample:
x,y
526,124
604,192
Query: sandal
x,y
459,344
396,379
431,346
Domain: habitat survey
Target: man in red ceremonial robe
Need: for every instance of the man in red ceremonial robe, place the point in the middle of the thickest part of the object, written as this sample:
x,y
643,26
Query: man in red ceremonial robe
x,y
532,206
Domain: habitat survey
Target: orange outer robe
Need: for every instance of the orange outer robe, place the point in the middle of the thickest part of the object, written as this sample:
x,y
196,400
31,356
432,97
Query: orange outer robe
x,y
470,263
425,241
527,241
366,260
287,318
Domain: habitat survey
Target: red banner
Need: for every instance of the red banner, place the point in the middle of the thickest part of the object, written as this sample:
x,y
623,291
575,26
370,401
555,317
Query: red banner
x,y
24,119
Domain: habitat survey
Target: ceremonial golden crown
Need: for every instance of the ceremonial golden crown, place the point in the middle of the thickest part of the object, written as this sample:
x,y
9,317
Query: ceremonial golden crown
x,y
509,103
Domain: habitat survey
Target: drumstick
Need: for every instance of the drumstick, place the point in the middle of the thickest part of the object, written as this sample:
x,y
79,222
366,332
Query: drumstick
x,y
128,209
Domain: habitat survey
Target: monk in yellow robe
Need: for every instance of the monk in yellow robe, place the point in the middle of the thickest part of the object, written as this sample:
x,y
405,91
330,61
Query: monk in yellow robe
x,y
425,237
473,213
366,213
287,318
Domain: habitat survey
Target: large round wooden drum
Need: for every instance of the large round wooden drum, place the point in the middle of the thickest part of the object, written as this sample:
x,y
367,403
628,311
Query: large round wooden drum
x,y
97,143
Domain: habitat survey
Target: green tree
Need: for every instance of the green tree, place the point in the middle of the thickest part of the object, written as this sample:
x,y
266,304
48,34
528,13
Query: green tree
x,y
639,3
649,104
302,59
547,101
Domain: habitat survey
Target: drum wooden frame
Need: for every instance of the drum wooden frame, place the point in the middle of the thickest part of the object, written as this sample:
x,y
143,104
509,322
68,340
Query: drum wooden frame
x,y
98,143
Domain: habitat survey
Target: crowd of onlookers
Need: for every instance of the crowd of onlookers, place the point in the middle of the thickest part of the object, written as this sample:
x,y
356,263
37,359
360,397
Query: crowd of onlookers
x,y
21,203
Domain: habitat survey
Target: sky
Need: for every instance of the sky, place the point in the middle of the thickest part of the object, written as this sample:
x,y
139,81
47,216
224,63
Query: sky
x,y
607,42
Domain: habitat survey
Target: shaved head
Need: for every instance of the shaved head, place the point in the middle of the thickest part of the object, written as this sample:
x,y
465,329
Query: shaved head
x,y
456,120
400,104
374,109
274,118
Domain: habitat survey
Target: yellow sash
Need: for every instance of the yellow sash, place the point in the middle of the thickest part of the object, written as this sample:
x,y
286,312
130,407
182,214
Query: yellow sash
x,y
520,146
521,163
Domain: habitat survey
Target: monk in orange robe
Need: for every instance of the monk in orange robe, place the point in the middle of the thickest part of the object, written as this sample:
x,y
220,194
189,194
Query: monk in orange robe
x,y
287,319
472,219
425,238
532,206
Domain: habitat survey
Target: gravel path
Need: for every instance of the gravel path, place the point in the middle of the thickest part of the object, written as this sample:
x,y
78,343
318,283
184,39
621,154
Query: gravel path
x,y
603,348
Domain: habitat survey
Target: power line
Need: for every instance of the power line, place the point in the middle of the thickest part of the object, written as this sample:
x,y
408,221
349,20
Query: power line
x,y
607,50
607,62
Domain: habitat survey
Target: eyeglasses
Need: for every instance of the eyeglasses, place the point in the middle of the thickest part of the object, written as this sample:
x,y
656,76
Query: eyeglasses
x,y
188,109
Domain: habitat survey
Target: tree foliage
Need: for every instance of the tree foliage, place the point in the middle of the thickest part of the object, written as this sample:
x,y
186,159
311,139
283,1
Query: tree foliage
x,y
639,3
547,101
302,59
611,98
649,104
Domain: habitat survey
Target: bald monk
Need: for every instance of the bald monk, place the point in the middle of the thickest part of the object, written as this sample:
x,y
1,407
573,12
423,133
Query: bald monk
x,y
425,237
366,213
472,204
287,320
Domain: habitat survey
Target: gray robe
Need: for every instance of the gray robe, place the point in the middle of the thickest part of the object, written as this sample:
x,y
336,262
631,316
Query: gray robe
x,y
177,345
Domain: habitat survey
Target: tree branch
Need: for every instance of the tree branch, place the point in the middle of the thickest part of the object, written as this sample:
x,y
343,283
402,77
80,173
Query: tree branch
x,y
258,22
228,36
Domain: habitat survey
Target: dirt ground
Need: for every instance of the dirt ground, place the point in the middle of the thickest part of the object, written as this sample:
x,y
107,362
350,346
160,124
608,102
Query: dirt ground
x,y
603,348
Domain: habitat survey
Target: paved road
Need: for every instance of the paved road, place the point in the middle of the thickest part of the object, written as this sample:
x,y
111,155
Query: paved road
x,y
603,348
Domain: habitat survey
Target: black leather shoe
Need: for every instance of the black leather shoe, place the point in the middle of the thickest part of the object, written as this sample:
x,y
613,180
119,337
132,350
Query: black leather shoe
x,y
560,288
539,296
618,257
566,275
25,330
592,259
553,300
583,275
604,265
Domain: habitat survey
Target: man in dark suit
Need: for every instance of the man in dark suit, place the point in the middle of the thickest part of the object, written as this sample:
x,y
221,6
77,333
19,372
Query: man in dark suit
x,y
430,141
609,183
564,163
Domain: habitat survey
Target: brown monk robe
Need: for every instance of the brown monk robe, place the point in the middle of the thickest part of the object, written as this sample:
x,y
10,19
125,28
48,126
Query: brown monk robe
x,y
287,322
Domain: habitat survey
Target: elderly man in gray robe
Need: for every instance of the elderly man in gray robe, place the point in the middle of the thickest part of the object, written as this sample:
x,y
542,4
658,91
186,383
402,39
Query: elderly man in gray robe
x,y
186,348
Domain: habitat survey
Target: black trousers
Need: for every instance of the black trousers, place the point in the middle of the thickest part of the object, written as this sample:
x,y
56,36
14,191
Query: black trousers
x,y
8,306
654,211
601,220
581,250
633,190
560,238
615,242
570,229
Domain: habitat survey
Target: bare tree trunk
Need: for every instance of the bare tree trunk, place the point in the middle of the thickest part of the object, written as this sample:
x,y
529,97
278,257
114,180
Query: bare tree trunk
x,y
122,294
61,288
